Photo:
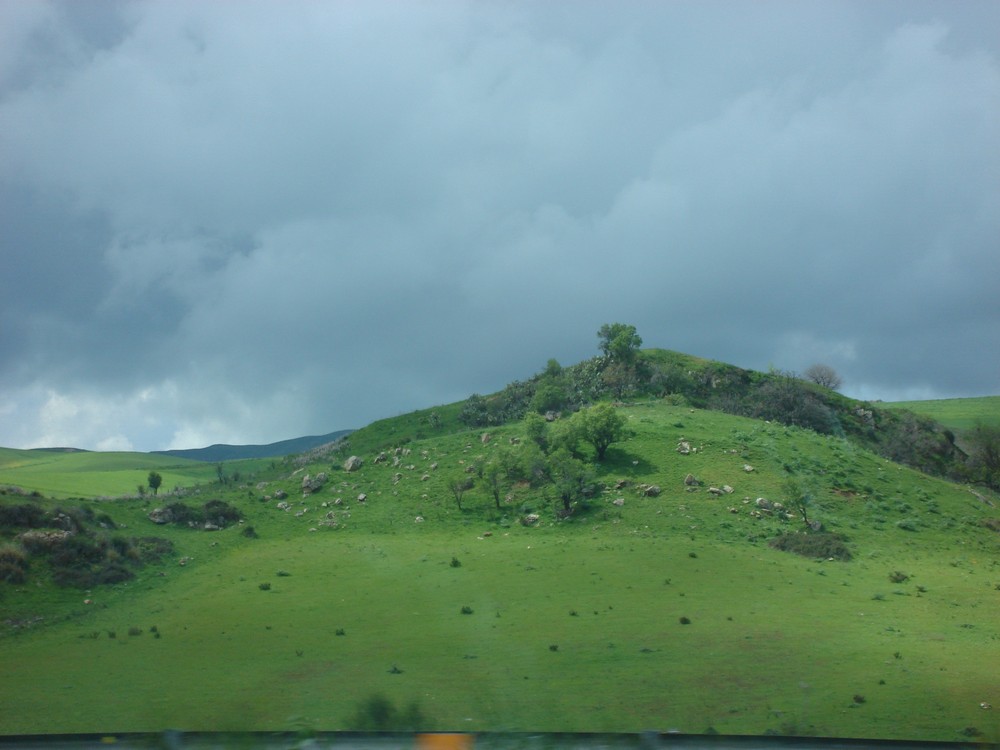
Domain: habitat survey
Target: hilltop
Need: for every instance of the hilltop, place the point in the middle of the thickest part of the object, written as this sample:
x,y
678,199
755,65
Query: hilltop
x,y
700,569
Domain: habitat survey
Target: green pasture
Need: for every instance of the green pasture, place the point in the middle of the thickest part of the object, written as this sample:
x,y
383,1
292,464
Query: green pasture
x,y
98,474
955,413
572,624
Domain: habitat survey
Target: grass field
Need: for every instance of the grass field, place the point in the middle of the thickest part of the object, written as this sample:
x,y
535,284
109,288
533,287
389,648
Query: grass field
x,y
573,624
956,413
90,474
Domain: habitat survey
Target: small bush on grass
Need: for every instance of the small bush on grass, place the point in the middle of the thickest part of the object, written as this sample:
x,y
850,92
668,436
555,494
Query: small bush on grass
x,y
264,586
466,610
817,545
250,532
455,562
898,576
135,630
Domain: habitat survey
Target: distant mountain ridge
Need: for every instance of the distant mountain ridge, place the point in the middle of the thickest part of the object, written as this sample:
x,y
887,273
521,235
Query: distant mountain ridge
x,y
223,452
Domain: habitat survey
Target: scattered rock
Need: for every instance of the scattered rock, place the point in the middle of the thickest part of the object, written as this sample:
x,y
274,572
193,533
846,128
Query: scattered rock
x,y
747,468
161,515
313,484
362,497
619,501
485,438
649,490
530,519
354,463
692,481
684,447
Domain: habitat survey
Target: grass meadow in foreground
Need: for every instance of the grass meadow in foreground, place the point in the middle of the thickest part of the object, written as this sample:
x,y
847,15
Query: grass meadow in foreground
x,y
637,612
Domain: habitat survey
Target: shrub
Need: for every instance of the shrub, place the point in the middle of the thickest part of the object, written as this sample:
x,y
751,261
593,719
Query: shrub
x,y
220,513
249,532
455,563
817,545
135,630
264,586
13,564
152,548
11,572
898,576
466,610
24,516
685,621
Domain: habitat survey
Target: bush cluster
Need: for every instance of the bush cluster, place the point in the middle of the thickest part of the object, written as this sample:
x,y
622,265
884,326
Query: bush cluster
x,y
217,512
78,545
817,545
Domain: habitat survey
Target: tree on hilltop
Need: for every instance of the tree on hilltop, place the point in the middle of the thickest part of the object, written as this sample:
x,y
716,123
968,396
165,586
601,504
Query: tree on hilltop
x,y
619,342
824,375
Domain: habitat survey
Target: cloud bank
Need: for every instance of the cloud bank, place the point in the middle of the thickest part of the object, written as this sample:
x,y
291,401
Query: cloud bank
x,y
245,223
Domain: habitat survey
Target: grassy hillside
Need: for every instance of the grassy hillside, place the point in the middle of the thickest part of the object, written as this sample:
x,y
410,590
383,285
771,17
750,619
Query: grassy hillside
x,y
636,611
958,414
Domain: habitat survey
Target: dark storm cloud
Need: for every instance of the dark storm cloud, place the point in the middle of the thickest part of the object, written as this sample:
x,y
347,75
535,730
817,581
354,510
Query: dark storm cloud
x,y
243,225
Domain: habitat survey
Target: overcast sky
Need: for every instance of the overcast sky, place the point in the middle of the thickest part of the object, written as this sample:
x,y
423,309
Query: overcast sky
x,y
244,222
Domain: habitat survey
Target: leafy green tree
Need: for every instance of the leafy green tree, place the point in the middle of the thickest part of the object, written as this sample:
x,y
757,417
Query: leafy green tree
x,y
601,426
567,434
619,342
572,478
536,428
154,480
549,396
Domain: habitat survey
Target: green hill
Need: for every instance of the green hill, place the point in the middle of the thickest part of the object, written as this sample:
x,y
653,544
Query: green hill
x,y
224,452
61,473
387,596
955,413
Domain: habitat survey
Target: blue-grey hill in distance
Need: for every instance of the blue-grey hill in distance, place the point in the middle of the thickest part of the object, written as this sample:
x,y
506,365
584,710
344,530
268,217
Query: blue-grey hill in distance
x,y
223,452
